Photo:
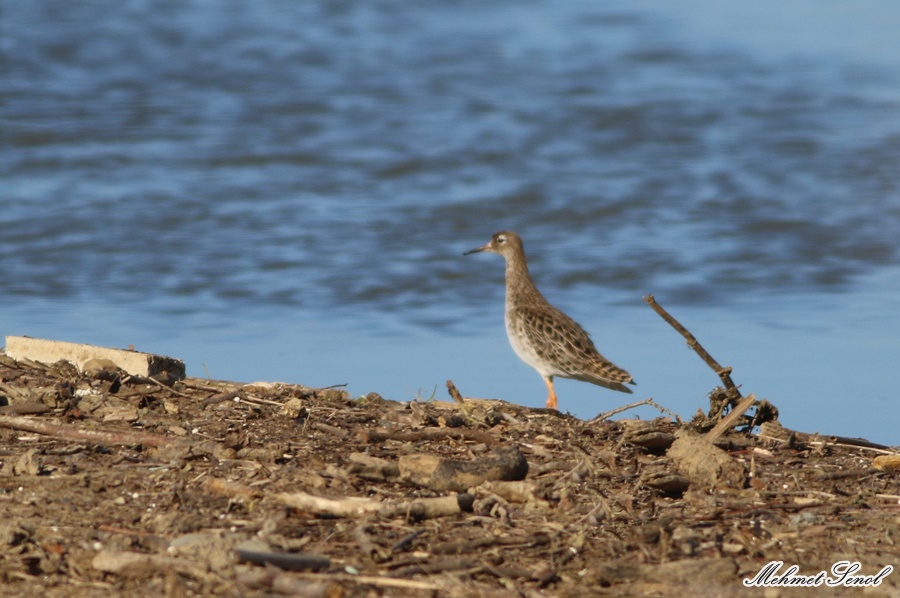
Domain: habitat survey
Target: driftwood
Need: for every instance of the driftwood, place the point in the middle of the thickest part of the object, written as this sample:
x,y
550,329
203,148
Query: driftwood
x,y
28,408
351,506
372,468
169,447
337,581
71,432
775,431
333,430
441,474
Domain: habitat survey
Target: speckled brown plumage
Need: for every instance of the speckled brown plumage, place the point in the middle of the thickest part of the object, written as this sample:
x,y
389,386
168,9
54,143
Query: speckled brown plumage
x,y
544,337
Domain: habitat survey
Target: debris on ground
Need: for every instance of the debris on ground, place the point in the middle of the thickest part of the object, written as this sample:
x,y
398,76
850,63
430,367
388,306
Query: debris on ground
x,y
116,484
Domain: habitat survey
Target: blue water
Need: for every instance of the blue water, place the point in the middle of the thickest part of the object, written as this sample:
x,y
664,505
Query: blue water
x,y
283,191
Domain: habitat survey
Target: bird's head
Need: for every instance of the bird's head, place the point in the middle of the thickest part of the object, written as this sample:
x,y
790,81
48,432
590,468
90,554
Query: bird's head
x,y
506,243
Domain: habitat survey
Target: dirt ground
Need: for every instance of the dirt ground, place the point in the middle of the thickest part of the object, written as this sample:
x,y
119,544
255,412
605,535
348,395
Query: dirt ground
x,y
115,485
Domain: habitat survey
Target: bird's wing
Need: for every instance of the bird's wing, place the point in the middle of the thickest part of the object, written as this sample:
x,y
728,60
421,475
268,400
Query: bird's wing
x,y
565,344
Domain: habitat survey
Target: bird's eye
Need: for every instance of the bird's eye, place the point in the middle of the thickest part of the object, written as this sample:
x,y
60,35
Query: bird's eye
x,y
501,239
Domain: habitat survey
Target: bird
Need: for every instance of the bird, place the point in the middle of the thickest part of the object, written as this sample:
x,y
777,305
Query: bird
x,y
541,335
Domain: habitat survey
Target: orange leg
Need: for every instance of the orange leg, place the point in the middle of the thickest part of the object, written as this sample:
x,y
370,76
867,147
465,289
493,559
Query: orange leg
x,y
551,398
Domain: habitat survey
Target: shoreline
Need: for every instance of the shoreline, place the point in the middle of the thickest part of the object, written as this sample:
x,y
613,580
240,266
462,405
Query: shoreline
x,y
122,483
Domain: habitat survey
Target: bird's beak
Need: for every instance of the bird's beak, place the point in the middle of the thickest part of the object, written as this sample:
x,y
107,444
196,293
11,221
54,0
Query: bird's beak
x,y
478,249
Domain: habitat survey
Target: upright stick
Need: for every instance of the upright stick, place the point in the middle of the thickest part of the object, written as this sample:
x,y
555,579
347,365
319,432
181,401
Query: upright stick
x,y
723,373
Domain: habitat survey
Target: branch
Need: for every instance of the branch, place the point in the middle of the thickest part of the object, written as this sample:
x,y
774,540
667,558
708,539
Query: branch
x,y
355,507
662,409
70,432
723,373
619,410
647,401
168,447
730,420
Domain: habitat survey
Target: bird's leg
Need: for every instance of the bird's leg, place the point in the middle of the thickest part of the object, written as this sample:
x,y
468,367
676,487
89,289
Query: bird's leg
x,y
551,398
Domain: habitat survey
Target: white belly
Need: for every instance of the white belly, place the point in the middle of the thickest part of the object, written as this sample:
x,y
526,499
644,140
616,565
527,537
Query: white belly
x,y
525,351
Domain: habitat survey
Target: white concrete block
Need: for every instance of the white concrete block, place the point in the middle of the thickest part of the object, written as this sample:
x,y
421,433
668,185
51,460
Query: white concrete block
x,y
133,362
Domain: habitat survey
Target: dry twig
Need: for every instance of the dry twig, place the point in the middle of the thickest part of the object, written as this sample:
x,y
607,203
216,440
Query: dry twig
x,y
723,373
648,401
70,432
618,410
727,422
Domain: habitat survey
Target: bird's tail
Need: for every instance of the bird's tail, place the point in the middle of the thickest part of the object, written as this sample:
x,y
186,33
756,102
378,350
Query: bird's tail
x,y
607,375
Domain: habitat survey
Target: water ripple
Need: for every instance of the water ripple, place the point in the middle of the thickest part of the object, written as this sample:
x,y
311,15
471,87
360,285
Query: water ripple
x,y
341,156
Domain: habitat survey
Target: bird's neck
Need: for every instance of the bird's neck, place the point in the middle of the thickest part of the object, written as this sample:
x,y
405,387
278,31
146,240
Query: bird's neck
x,y
519,286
